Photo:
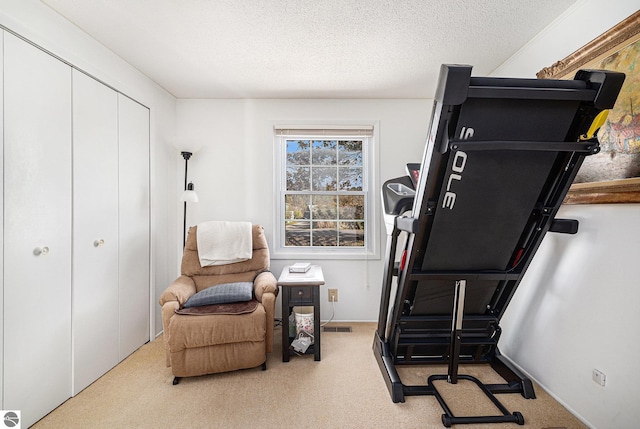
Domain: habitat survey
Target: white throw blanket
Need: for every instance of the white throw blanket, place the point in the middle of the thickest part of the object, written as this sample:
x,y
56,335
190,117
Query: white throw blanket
x,y
221,242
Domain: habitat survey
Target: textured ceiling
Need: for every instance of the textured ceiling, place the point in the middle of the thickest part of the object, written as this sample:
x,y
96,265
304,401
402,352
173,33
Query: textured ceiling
x,y
309,48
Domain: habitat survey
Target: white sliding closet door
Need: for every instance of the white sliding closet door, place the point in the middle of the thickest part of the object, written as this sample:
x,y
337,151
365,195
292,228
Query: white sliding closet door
x,y
134,225
37,230
95,230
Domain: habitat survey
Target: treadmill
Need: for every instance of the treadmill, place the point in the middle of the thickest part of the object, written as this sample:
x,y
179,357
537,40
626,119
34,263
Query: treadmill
x,y
499,159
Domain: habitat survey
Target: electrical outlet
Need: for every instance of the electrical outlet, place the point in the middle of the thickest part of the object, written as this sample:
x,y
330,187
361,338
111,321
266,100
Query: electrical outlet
x,y
333,295
599,377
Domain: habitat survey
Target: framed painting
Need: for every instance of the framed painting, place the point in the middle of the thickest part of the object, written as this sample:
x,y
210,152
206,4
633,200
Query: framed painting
x,y
613,175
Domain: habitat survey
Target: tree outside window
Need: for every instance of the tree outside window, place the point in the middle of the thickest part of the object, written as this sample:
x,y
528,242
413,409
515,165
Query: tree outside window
x,y
324,198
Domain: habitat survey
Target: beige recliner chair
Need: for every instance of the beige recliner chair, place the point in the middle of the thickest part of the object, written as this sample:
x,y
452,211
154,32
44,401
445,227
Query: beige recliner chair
x,y
235,336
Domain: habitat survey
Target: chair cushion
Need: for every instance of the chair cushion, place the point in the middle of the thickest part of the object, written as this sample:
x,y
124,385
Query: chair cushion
x,y
227,308
222,293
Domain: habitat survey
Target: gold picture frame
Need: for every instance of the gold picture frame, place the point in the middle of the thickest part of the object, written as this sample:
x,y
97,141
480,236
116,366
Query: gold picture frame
x,y
592,55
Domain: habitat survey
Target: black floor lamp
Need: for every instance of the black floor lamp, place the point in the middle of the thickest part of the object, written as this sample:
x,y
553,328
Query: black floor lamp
x,y
188,196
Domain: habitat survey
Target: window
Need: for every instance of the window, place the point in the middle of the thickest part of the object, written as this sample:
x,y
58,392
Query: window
x,y
324,178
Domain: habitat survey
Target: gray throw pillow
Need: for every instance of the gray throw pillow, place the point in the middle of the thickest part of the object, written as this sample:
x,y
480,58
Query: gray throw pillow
x,y
221,294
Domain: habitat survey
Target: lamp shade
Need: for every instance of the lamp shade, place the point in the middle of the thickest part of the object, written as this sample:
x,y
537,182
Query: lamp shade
x,y
189,196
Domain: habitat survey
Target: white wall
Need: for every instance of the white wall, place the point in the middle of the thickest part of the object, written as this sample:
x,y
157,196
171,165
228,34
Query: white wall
x,y
576,310
232,171
576,307
42,26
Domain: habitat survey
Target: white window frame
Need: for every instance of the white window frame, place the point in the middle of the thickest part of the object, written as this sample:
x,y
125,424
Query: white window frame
x,y
283,132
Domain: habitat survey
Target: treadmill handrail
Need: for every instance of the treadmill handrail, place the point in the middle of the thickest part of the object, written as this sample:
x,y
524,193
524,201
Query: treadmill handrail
x,y
407,224
533,93
538,146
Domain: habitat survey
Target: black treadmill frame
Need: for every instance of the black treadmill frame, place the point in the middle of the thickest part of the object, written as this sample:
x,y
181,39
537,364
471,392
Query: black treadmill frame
x,y
399,331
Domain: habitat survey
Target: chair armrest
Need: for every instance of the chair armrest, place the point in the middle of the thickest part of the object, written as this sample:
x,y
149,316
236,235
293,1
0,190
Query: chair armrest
x,y
171,300
180,290
269,304
265,282
168,311
265,288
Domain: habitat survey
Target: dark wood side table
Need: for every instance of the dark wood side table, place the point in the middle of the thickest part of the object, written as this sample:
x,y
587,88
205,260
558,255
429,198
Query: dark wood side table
x,y
300,289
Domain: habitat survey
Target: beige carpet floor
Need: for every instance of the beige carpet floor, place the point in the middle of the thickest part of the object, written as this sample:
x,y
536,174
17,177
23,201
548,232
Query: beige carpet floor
x,y
344,390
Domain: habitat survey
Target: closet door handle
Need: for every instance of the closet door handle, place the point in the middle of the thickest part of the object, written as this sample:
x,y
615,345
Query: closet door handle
x,y
98,243
41,251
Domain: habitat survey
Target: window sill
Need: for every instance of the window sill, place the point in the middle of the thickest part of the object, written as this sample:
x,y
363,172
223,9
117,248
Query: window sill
x,y
324,254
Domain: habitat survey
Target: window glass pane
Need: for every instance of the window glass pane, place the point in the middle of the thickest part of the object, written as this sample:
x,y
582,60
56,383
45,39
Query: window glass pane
x,y
324,179
297,207
350,152
323,197
351,207
350,178
297,233
324,152
325,233
351,234
325,207
298,152
298,178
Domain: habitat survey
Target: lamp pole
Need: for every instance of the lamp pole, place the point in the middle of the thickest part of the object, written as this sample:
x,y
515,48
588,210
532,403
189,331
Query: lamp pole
x,y
186,156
